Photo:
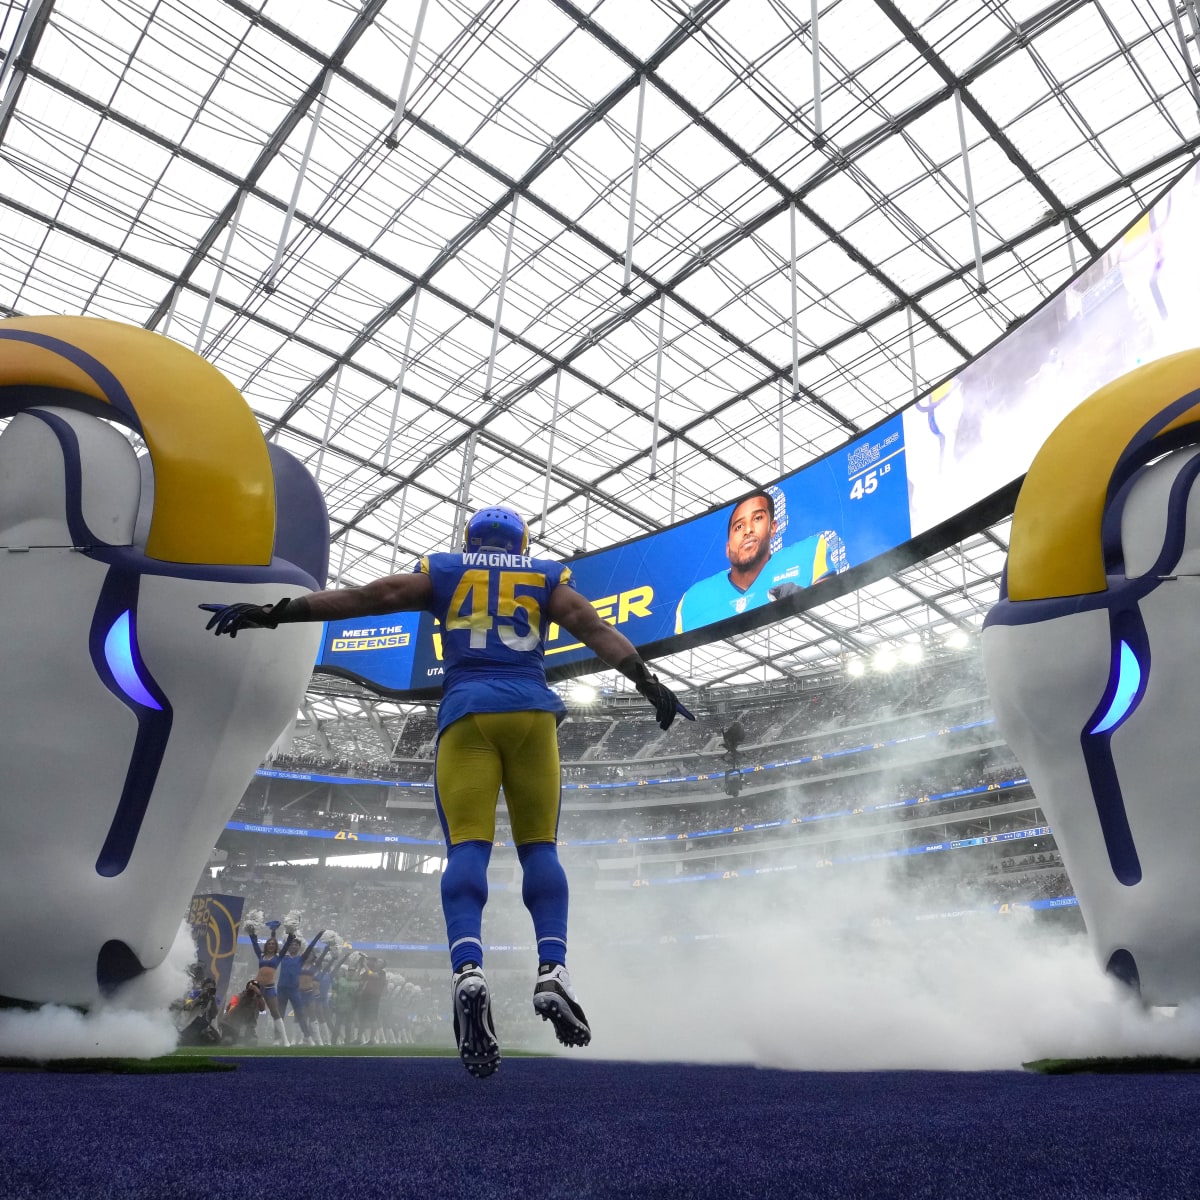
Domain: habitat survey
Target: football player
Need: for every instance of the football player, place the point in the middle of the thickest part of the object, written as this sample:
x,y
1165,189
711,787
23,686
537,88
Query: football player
x,y
497,726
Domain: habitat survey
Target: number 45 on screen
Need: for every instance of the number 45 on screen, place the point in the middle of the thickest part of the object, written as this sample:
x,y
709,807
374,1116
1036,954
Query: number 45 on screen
x,y
866,483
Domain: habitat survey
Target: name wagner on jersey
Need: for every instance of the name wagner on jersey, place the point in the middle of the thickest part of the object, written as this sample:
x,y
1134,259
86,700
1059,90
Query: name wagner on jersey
x,y
480,558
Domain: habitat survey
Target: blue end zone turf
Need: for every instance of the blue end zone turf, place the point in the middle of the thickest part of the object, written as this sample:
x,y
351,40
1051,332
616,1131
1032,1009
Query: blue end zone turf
x,y
549,1127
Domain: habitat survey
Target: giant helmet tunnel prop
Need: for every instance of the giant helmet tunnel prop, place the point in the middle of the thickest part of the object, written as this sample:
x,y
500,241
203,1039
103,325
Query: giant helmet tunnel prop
x,y
1093,661
134,484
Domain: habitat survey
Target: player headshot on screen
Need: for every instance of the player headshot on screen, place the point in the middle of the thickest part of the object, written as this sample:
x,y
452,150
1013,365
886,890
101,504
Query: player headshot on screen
x,y
756,575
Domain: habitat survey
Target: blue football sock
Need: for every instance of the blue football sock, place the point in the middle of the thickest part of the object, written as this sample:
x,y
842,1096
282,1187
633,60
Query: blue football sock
x,y
544,890
464,893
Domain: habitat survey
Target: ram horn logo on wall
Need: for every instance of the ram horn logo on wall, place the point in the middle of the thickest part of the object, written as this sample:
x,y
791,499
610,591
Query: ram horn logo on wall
x,y
1093,662
128,733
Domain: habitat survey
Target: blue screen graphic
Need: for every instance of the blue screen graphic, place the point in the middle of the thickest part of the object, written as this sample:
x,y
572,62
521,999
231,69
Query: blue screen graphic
x,y
834,514
379,649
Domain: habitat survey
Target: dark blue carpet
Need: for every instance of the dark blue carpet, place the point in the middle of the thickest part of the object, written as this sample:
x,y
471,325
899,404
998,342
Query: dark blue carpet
x,y
362,1128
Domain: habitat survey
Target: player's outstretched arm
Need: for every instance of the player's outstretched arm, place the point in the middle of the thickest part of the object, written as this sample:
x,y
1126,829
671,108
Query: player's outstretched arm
x,y
570,610
393,593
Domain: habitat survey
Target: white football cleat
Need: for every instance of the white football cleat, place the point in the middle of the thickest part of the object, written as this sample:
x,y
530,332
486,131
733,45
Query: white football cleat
x,y
554,1001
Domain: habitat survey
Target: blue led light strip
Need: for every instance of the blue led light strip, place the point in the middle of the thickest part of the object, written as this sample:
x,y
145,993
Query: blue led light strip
x,y
118,653
113,648
1129,679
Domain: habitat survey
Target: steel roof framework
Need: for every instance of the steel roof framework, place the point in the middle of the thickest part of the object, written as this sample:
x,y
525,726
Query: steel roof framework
x,y
402,293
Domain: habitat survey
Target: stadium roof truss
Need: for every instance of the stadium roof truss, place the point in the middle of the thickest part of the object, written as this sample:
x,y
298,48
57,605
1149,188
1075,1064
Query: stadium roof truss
x,y
540,250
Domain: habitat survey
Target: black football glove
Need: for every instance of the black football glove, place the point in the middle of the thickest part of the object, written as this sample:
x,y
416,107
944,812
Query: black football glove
x,y
664,701
229,618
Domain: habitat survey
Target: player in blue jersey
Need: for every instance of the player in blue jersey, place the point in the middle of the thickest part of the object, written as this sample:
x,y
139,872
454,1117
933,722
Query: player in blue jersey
x,y
755,575
497,726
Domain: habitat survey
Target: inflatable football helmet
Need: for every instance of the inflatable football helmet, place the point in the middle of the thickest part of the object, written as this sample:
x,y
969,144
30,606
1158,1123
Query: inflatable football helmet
x,y
128,734
1092,659
497,528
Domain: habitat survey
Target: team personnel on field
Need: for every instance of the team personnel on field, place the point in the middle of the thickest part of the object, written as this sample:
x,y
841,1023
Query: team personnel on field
x,y
270,957
344,994
310,995
289,988
241,1014
497,726
372,987
321,973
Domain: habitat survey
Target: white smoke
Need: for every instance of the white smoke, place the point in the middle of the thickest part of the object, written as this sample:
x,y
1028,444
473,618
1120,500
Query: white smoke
x,y
802,979
134,1023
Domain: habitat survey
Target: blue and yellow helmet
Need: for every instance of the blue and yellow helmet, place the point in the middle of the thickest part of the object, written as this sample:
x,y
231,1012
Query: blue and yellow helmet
x,y
497,528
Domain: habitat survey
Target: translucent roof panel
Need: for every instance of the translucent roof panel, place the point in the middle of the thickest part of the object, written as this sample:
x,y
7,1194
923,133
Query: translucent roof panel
x,y
557,242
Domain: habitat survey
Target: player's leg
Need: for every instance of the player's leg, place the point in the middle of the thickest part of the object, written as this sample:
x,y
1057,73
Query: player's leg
x,y
466,786
533,792
467,774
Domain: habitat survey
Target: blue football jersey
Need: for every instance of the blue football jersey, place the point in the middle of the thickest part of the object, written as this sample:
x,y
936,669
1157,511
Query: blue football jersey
x,y
803,563
492,610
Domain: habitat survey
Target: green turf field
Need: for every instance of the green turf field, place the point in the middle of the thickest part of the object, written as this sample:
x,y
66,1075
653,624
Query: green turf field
x,y
1148,1064
267,1050
193,1059
168,1065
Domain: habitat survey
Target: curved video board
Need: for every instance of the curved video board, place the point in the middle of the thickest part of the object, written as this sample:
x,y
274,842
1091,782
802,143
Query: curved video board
x,y
884,500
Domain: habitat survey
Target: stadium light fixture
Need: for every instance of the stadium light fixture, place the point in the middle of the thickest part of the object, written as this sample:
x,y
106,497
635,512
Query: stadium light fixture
x,y
912,652
958,640
856,667
885,659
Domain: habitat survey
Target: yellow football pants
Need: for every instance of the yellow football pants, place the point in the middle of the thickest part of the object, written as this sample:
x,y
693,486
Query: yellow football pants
x,y
481,752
